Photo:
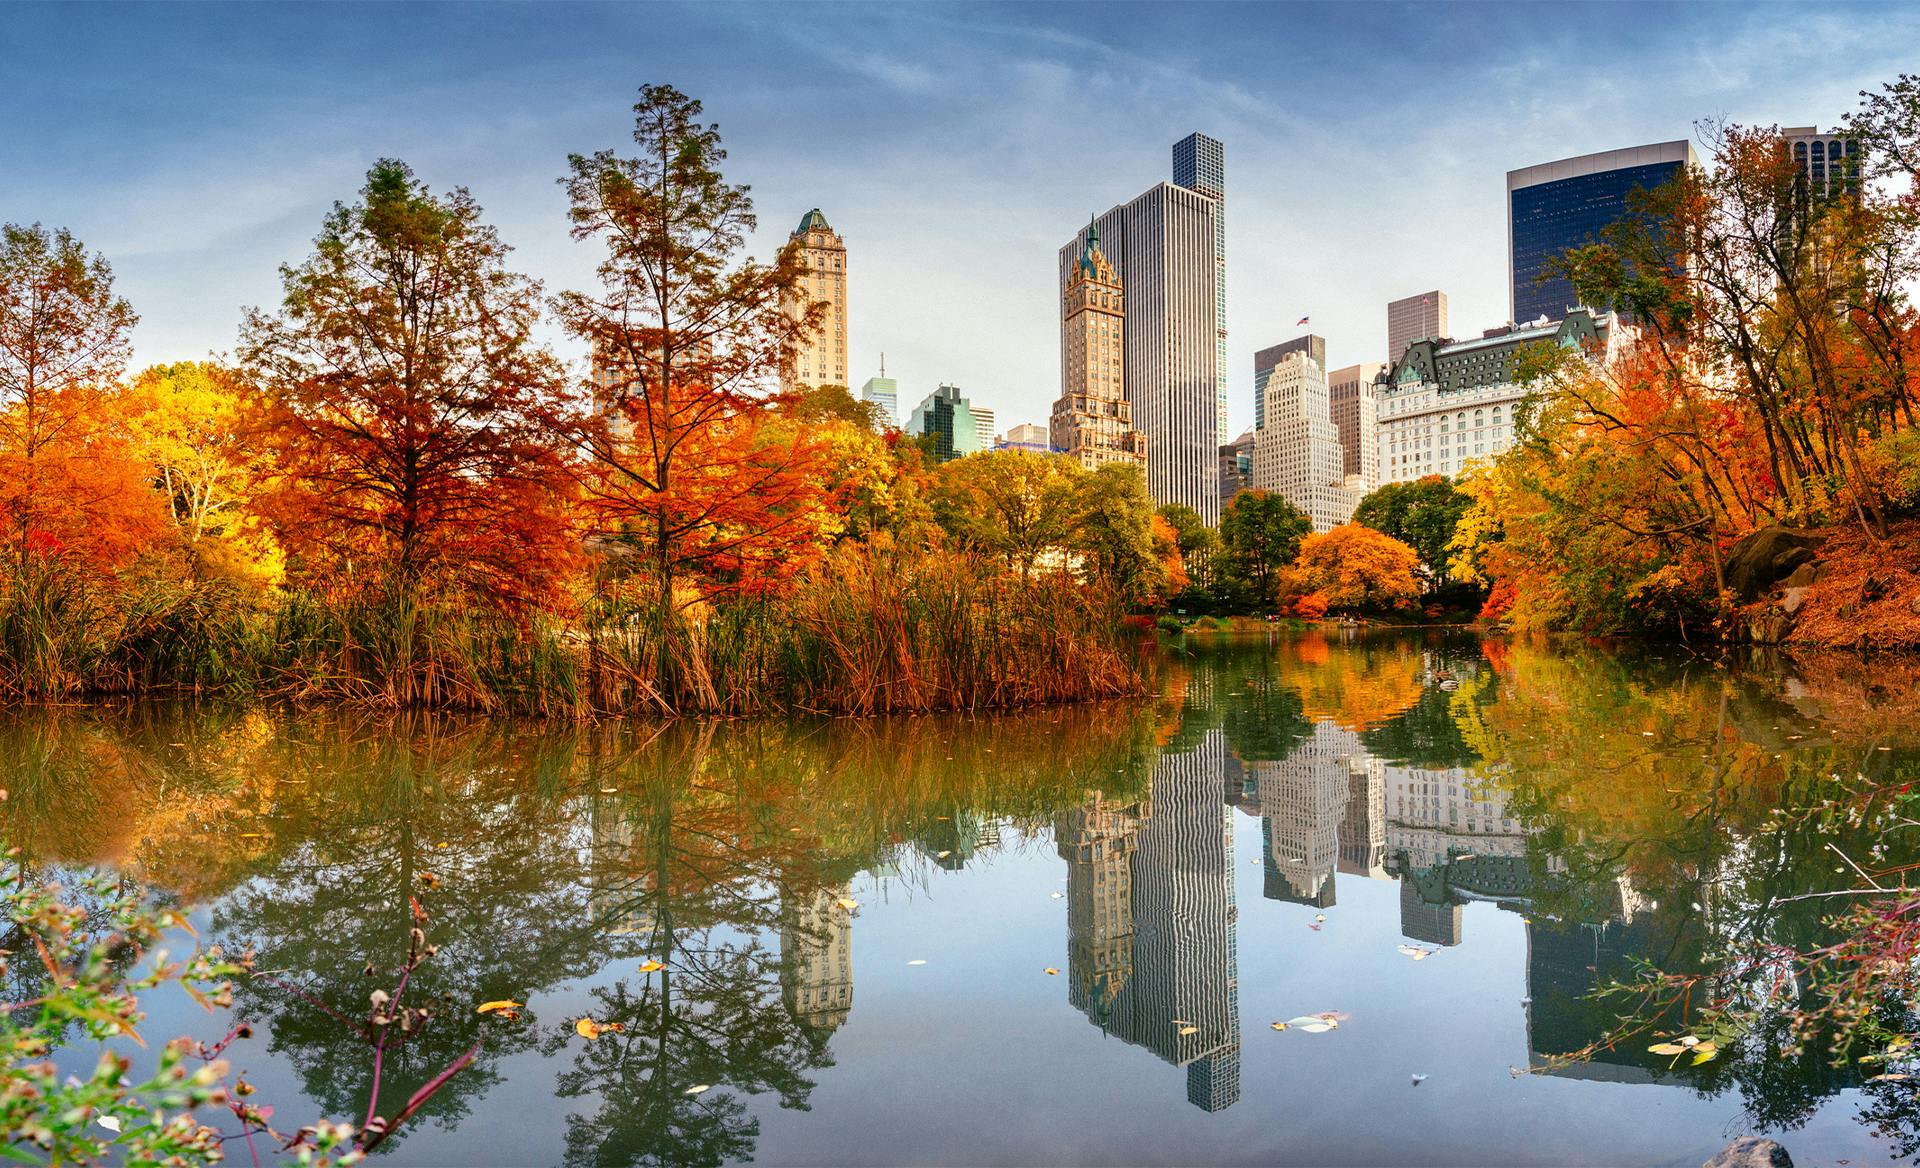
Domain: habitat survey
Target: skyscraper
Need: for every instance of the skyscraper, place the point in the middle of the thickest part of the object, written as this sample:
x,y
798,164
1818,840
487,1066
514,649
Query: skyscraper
x,y
983,427
1200,164
1264,361
1829,164
1419,317
1165,246
822,361
1092,422
1556,206
950,419
1298,454
883,391
1356,417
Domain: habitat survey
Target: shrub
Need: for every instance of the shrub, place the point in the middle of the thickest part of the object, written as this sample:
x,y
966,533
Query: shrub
x,y
1169,624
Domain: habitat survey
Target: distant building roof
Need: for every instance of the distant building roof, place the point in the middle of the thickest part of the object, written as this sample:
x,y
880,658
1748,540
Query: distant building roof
x,y
812,221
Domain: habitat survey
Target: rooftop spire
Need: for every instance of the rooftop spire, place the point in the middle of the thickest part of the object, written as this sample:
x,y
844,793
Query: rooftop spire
x,y
1093,243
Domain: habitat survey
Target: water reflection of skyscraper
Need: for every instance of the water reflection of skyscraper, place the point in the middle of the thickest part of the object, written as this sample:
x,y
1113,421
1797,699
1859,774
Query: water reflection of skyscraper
x,y
1150,919
816,957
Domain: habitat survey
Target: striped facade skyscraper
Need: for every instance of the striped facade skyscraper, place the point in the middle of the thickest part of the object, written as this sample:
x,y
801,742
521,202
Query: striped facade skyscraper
x,y
1165,246
1200,164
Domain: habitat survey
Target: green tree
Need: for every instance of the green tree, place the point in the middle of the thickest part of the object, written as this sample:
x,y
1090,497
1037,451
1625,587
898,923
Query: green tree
x,y
1115,530
1012,504
1261,532
1421,514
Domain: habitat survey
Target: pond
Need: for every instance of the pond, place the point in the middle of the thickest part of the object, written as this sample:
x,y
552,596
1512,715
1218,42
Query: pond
x,y
1058,936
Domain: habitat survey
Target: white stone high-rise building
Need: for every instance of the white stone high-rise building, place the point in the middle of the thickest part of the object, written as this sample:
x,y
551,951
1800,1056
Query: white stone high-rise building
x,y
1165,246
1298,453
823,361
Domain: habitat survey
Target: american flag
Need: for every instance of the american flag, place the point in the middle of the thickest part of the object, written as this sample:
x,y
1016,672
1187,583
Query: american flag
x,y
1301,321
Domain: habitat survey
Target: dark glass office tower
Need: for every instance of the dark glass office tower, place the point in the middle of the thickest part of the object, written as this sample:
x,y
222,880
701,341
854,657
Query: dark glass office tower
x,y
1557,206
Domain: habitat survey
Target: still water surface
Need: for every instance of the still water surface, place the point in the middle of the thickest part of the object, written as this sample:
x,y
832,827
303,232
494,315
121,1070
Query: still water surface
x,y
1049,937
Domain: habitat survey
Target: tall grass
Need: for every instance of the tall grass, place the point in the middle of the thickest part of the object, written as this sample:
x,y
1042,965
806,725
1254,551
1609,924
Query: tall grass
x,y
872,631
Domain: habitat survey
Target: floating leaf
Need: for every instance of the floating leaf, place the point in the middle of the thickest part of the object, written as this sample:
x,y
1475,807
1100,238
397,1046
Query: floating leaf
x,y
1690,1040
1280,1026
1055,895
110,1122
441,844
498,1007
848,903
1052,972
1704,1053
698,1089
1666,1048
918,961
589,1029
649,965
1180,1022
942,855
1889,1077
1419,1079
1186,1030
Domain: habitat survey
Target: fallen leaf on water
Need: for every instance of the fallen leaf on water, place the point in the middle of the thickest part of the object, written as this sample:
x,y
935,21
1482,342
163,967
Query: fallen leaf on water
x,y
1666,1048
1052,972
1312,1023
1703,1053
441,844
918,961
941,855
848,903
110,1122
1180,1022
1280,1026
589,1029
1690,1040
649,965
609,790
1889,1077
698,1089
1419,1079
1055,895
1418,953
504,1005
1185,1030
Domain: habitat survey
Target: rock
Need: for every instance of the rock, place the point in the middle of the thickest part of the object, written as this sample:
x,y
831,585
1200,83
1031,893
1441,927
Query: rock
x,y
1793,598
1763,558
1802,576
1751,1152
1770,627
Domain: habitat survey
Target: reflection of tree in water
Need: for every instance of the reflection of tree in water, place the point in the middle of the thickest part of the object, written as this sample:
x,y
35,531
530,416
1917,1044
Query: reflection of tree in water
x,y
468,822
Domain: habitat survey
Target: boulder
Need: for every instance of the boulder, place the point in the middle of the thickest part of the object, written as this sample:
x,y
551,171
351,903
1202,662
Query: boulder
x,y
1802,576
1765,557
1791,600
1751,1152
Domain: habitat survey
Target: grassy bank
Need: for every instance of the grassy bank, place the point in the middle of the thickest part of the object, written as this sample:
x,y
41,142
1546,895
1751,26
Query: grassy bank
x,y
870,632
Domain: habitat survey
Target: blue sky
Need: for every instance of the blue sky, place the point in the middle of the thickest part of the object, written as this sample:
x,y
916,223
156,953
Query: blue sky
x,y
955,146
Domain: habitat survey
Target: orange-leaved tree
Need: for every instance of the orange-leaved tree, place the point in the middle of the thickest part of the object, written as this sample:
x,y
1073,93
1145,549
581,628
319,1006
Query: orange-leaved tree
x,y
410,407
1355,568
685,472
73,501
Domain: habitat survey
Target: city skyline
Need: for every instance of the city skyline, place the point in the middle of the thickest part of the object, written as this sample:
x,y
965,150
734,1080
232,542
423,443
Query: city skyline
x,y
196,201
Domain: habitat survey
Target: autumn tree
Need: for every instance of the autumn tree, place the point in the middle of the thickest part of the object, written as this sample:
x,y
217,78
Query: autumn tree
x,y
1357,569
189,423
71,497
682,475
408,402
1421,514
1261,533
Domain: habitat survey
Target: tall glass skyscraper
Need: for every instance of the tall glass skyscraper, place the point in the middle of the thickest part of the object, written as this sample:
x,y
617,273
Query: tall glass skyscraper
x,y
1556,206
1200,164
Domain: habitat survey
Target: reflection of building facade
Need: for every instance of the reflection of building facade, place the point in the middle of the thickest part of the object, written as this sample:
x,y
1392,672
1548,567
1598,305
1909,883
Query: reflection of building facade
x,y
1153,940
618,903
816,958
1303,800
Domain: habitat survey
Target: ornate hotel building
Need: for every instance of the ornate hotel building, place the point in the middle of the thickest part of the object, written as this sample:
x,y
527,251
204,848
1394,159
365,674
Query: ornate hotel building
x,y
1166,247
1092,422
1447,403
823,361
